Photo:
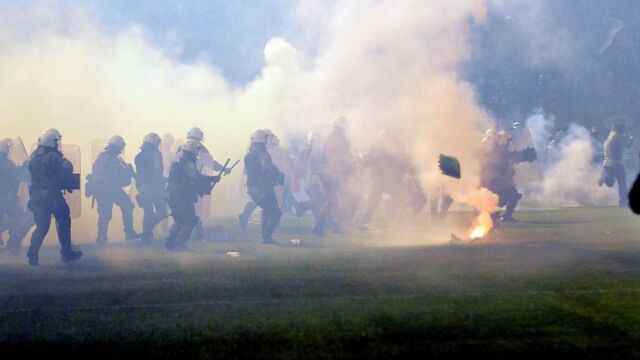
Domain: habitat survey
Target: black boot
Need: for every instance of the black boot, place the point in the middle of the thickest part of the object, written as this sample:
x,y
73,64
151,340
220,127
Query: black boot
x,y
70,255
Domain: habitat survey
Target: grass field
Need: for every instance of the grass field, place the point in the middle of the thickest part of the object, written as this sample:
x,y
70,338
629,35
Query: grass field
x,y
563,282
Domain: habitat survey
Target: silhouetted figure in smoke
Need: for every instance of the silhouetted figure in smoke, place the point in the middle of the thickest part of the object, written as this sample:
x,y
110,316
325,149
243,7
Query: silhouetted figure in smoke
x,y
497,173
634,196
151,183
614,171
109,176
262,177
391,172
185,185
50,176
306,170
15,218
338,165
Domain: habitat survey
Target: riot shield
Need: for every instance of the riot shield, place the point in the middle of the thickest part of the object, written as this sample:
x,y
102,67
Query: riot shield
x,y
20,157
526,172
74,199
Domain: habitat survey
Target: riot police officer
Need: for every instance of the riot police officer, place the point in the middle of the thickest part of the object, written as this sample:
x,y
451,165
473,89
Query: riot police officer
x,y
150,183
109,176
497,172
185,185
262,177
17,220
51,174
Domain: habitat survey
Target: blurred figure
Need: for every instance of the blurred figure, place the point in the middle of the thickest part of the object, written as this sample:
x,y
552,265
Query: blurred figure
x,y
151,183
262,177
614,170
282,160
497,172
392,173
440,202
338,165
185,185
109,176
634,196
15,218
306,169
51,174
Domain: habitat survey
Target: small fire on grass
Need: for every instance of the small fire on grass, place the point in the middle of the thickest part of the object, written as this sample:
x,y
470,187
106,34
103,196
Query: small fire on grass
x,y
481,226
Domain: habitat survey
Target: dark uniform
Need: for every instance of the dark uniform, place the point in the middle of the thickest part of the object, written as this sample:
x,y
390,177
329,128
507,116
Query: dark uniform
x,y
110,175
498,173
184,186
262,177
150,183
15,218
50,173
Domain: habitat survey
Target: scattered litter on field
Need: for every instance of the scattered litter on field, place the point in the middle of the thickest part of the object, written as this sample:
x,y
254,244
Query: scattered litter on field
x,y
295,241
233,254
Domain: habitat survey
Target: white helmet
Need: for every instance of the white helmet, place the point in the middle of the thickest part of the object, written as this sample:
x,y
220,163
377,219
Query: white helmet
x,y
153,139
489,136
117,141
340,123
50,138
191,145
195,133
313,137
260,136
5,145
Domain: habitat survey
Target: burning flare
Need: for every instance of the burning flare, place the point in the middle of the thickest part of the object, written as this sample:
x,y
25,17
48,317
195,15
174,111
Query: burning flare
x,y
481,226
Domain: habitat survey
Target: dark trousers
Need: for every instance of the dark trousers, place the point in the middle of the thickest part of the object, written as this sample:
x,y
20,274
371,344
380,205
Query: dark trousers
x,y
183,212
618,173
271,214
44,205
155,210
105,211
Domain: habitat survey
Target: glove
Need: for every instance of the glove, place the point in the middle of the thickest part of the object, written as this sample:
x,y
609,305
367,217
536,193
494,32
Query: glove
x,y
227,171
214,179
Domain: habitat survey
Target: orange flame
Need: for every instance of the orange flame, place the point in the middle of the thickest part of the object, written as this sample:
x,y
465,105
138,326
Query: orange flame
x,y
481,226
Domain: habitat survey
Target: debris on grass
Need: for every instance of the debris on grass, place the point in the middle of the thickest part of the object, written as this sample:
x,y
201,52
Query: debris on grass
x,y
233,254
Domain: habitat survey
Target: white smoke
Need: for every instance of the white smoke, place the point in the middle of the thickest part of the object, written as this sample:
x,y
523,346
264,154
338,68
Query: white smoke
x,y
570,172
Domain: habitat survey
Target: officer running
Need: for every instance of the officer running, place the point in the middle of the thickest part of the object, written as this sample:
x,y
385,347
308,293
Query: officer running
x,y
110,175
185,185
151,183
262,177
51,174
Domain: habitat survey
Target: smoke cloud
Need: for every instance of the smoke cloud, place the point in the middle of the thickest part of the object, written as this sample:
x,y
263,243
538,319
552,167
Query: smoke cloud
x,y
571,173
381,64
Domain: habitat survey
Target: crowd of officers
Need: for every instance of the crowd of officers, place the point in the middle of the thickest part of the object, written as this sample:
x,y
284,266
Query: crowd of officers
x,y
327,171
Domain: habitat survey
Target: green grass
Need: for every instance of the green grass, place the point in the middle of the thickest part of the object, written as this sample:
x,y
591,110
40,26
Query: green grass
x,y
564,282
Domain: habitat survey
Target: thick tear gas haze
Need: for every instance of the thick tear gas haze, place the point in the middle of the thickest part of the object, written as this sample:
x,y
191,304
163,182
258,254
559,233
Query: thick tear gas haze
x,y
571,168
381,64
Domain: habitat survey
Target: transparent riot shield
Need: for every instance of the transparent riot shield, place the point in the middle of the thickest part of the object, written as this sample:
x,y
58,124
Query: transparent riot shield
x,y
526,172
74,199
20,157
